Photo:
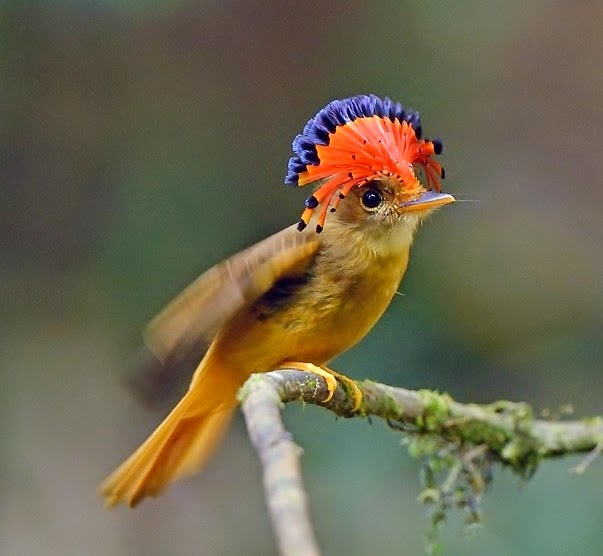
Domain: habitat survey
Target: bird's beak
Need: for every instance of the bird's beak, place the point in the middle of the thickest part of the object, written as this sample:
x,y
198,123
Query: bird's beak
x,y
429,200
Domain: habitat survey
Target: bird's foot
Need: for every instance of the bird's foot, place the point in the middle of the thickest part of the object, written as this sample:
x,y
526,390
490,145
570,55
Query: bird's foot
x,y
331,377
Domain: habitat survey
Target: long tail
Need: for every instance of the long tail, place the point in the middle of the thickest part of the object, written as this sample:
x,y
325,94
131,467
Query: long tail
x,y
183,442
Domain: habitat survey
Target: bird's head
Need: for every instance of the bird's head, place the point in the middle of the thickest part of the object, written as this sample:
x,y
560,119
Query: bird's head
x,y
363,155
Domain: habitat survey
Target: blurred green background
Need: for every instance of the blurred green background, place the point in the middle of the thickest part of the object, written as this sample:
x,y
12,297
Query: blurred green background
x,y
143,141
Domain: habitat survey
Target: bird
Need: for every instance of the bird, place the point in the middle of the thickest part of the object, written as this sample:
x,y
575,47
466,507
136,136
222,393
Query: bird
x,y
300,297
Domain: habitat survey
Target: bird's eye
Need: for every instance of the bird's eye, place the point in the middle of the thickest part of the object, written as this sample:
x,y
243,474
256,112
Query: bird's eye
x,y
371,199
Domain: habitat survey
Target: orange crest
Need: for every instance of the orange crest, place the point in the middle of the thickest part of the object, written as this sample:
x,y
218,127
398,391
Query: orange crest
x,y
353,141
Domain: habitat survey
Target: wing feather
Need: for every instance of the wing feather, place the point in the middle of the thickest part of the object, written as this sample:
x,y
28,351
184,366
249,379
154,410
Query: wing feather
x,y
181,333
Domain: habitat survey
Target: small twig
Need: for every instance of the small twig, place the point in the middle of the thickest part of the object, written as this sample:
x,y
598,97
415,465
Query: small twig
x,y
452,477
588,460
469,457
474,453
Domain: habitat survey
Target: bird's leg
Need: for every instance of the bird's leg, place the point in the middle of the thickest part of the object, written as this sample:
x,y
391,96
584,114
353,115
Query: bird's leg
x,y
331,377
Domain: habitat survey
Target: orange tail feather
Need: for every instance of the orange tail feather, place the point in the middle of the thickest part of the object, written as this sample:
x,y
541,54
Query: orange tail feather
x,y
183,442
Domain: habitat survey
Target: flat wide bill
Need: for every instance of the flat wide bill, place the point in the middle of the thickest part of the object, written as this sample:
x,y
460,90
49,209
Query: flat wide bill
x,y
429,200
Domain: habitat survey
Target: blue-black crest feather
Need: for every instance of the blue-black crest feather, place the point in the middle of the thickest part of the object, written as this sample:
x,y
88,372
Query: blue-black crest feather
x,y
338,113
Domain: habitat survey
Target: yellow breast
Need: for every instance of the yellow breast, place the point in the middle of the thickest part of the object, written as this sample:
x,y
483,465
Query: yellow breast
x,y
328,310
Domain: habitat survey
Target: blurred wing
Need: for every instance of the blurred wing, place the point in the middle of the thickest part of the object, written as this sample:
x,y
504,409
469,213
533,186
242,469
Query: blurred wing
x,y
179,336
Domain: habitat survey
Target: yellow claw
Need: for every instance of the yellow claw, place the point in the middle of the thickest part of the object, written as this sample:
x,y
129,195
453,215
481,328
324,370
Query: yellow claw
x,y
354,389
331,377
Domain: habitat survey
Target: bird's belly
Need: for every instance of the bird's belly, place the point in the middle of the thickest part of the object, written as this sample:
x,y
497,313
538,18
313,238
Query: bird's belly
x,y
324,320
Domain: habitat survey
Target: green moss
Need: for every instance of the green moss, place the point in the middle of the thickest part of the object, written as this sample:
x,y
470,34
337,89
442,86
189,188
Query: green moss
x,y
592,421
259,381
436,412
429,496
436,404
476,432
253,381
312,382
424,445
386,405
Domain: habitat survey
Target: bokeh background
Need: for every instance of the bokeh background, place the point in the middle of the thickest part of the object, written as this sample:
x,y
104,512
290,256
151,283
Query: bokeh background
x,y
143,141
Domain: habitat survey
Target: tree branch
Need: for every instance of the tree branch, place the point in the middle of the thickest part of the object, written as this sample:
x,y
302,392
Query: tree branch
x,y
503,432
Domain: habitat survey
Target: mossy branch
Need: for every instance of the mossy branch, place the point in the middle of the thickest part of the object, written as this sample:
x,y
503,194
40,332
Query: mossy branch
x,y
475,435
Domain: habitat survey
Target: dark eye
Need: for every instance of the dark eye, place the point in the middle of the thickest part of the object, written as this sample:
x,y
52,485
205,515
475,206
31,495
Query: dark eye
x,y
371,199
